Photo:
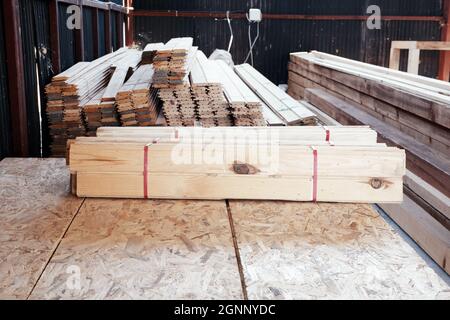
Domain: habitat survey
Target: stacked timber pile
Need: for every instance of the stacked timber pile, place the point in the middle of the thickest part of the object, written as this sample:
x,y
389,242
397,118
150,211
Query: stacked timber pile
x,y
304,166
246,107
149,53
212,109
178,101
137,102
171,63
283,105
70,91
407,111
101,110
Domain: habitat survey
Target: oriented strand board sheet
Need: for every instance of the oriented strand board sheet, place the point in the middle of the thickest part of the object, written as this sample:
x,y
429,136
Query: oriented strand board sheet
x,y
328,251
145,250
36,209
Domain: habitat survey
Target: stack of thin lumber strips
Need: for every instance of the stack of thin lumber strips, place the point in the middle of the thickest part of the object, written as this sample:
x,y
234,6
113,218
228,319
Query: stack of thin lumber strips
x,y
137,101
212,108
70,91
408,111
171,63
246,107
262,163
101,110
287,108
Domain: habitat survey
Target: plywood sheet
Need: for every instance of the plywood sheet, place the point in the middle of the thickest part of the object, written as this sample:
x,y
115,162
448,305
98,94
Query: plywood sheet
x,y
36,208
328,251
146,250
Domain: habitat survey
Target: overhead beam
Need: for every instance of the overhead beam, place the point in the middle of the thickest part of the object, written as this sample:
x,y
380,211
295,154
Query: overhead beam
x,y
223,15
16,81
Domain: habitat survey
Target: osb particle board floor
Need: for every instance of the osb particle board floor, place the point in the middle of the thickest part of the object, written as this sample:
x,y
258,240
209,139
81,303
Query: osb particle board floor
x,y
131,249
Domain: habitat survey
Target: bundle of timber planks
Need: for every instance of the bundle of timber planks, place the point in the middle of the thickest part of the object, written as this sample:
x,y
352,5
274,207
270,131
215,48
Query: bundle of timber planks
x,y
101,110
212,109
408,111
69,91
339,164
171,63
137,101
246,107
283,105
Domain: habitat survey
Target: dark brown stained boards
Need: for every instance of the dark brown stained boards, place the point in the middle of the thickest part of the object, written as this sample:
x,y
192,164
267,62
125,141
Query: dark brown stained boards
x,y
246,107
137,102
283,105
149,53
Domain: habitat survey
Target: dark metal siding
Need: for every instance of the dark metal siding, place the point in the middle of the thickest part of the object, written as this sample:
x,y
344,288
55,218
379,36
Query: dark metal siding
x,y
101,33
351,39
114,36
88,34
66,39
37,69
5,127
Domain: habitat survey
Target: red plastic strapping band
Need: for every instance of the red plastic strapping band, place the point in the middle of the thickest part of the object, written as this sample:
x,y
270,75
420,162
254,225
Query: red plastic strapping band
x,y
177,135
328,135
146,171
315,178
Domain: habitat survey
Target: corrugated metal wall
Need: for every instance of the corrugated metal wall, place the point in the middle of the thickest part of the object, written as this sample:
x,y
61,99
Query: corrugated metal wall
x,y
37,68
88,35
66,39
351,39
5,128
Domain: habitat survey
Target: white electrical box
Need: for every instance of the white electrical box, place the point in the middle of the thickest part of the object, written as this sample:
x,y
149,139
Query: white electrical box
x,y
255,15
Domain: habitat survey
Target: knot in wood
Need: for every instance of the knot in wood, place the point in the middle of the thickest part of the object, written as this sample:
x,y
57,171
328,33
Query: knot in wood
x,y
376,183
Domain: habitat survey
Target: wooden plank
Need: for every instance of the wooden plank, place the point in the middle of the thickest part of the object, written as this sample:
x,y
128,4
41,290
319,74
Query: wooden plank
x,y
428,193
160,250
430,165
430,106
423,130
424,229
421,45
36,210
328,251
414,61
427,83
275,98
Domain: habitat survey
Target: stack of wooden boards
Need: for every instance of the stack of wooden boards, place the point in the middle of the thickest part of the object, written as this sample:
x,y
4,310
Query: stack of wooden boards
x,y
289,163
101,110
290,110
246,107
137,101
171,63
71,90
212,108
408,111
